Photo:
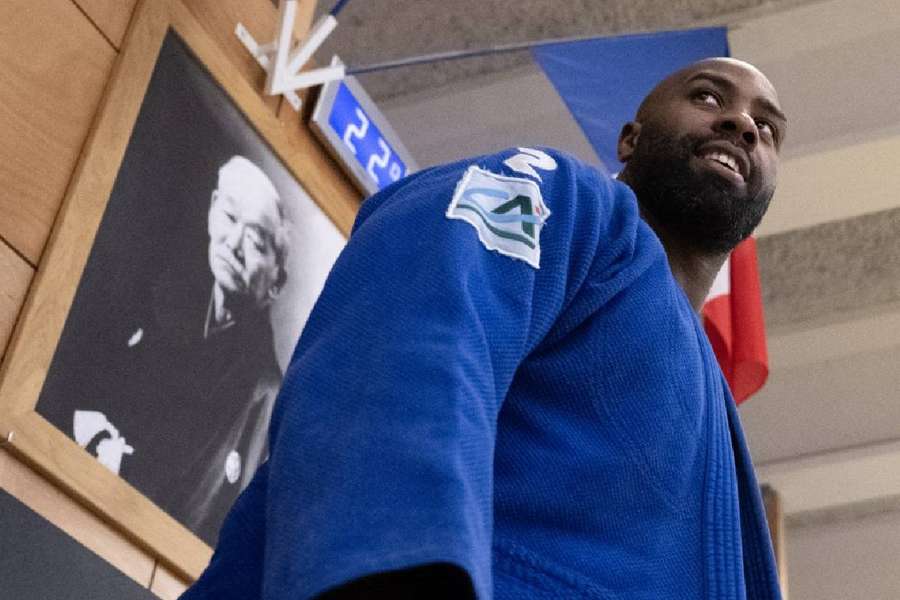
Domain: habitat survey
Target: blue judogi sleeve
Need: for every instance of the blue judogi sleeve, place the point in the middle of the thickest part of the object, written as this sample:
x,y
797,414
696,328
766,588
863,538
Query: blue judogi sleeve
x,y
382,438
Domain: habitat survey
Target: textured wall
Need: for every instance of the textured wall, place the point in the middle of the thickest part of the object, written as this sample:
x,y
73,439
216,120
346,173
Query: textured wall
x,y
831,270
845,559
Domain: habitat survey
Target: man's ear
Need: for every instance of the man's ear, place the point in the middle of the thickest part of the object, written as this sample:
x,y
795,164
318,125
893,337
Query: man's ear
x,y
628,139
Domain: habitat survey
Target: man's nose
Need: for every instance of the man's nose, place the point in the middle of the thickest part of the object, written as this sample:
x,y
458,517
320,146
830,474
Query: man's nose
x,y
235,239
741,127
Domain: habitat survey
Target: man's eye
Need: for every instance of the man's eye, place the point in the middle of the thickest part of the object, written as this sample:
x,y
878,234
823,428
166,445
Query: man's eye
x,y
231,217
709,98
258,241
766,128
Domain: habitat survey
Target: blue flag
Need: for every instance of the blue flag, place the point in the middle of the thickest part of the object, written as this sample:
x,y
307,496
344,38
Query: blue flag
x,y
603,81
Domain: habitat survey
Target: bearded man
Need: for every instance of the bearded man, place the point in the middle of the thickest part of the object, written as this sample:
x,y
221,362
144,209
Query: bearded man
x,y
505,390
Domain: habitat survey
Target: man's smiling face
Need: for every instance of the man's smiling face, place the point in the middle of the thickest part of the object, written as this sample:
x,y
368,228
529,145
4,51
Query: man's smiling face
x,y
702,154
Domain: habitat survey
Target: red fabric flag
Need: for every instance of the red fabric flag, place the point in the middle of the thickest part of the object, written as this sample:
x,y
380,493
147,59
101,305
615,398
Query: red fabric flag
x,y
733,319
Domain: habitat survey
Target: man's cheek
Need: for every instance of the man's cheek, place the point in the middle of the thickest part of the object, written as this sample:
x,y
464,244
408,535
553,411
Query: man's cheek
x,y
254,279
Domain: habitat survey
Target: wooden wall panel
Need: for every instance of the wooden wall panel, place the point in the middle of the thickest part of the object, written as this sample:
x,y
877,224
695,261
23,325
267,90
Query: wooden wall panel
x,y
260,17
112,16
54,67
109,16
219,18
342,198
89,530
16,275
165,584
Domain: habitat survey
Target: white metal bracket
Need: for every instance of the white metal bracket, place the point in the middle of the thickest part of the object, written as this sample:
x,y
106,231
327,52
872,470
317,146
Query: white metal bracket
x,y
283,64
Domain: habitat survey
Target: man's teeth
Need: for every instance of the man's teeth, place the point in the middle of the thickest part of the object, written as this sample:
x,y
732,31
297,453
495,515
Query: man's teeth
x,y
724,159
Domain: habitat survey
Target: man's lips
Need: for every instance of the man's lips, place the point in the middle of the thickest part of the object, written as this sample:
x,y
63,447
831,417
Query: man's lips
x,y
727,157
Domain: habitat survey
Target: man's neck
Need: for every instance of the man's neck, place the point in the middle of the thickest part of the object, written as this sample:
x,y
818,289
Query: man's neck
x,y
693,270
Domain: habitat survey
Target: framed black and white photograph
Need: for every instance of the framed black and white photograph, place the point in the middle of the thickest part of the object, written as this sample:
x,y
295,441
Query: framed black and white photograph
x,y
190,251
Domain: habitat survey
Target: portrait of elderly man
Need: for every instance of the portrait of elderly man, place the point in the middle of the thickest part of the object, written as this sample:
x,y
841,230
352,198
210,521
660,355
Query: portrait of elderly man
x,y
176,393
247,251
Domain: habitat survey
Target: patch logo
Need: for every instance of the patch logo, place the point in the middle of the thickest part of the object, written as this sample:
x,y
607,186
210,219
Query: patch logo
x,y
507,212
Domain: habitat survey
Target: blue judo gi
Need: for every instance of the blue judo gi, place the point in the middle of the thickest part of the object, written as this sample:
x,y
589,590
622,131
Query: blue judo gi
x,y
502,373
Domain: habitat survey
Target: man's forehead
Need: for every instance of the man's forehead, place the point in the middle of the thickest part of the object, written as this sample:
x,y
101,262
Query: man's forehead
x,y
737,71
251,205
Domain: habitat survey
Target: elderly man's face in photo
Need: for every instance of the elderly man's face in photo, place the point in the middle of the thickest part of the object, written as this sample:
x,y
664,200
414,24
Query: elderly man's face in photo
x,y
243,220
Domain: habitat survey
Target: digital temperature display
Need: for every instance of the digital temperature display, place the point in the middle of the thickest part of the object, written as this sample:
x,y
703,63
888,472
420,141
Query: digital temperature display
x,y
356,132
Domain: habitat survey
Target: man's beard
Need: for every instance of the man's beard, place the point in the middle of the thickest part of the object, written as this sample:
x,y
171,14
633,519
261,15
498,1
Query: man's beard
x,y
699,207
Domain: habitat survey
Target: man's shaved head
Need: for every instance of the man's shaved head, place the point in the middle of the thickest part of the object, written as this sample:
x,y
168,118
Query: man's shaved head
x,y
701,154
652,100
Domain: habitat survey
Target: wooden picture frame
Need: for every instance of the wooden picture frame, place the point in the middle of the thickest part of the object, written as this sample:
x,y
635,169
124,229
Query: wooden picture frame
x,y
24,431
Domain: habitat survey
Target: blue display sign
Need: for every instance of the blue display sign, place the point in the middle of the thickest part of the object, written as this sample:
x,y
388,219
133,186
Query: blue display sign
x,y
364,140
359,135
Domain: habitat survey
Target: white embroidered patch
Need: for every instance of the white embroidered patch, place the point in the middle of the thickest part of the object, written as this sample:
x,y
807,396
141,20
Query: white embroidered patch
x,y
530,159
507,212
